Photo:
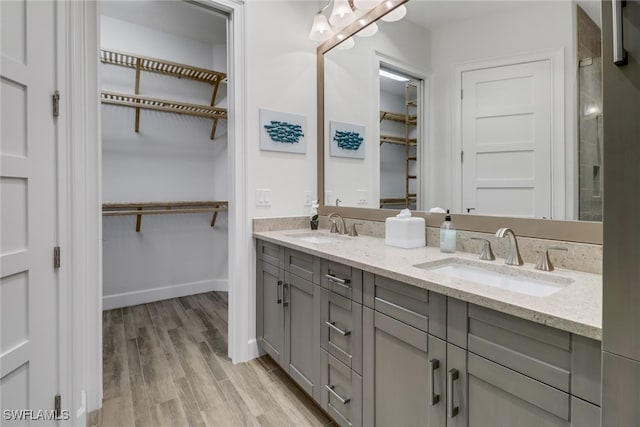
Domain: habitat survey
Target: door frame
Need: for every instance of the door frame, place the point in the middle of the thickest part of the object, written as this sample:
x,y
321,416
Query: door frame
x,y
423,128
559,167
82,343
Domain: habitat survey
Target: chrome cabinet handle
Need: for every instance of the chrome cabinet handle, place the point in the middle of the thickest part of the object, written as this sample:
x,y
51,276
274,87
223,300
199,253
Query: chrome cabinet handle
x,y
343,400
619,54
278,290
452,375
338,280
285,286
434,364
333,326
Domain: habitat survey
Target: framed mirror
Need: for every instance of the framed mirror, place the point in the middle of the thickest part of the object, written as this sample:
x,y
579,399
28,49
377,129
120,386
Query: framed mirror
x,y
491,109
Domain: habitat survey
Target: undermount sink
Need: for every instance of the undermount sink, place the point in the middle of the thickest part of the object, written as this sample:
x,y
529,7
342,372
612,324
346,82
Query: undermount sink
x,y
498,276
317,237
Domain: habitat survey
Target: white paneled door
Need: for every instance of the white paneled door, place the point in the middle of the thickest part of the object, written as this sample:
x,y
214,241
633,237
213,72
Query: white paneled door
x,y
506,140
28,279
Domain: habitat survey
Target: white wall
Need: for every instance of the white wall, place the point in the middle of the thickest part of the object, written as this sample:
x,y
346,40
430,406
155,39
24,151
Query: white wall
x,y
172,158
540,26
351,96
281,76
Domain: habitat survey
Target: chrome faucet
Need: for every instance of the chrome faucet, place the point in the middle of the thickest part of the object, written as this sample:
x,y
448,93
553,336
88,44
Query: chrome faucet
x,y
335,228
514,257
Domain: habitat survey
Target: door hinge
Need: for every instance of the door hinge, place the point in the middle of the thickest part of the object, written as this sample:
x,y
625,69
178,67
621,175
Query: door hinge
x,y
56,103
56,257
461,94
462,157
57,406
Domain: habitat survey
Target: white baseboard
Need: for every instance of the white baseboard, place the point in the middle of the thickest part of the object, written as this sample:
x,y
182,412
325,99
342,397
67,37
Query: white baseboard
x,y
157,294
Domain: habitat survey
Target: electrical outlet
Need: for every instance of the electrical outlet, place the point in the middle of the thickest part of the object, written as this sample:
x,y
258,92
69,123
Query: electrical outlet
x,y
263,197
307,197
328,197
363,195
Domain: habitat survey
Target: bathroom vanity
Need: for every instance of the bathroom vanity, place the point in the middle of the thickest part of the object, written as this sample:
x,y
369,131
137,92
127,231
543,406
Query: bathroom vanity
x,y
381,336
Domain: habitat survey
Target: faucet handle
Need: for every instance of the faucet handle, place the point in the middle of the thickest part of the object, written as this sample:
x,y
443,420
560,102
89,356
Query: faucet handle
x,y
353,232
487,252
544,263
334,226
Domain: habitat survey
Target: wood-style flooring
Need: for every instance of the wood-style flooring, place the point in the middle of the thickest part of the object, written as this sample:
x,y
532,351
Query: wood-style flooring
x,y
165,364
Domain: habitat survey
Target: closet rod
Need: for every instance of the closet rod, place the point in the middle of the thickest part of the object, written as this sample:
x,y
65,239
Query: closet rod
x,y
155,208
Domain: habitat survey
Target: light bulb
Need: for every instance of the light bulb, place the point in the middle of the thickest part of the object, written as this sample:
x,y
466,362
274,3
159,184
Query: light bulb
x,y
320,30
396,14
346,44
341,15
368,31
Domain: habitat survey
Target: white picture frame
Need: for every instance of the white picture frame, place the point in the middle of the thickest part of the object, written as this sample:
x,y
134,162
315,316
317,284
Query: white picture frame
x,y
346,140
284,132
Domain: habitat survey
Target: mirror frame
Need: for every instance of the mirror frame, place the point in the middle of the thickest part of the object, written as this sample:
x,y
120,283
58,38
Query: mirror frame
x,y
569,231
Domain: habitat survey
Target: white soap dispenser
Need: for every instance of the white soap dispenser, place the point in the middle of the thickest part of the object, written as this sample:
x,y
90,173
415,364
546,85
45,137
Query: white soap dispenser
x,y
447,235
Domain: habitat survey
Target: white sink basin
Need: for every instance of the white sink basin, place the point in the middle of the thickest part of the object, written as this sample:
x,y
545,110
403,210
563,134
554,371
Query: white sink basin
x,y
318,237
507,278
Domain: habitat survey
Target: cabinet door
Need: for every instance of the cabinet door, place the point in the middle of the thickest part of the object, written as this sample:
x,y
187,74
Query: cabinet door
x,y
302,333
270,316
499,396
403,381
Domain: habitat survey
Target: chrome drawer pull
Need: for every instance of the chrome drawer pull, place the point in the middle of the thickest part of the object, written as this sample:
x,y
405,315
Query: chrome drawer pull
x,y
434,364
278,289
342,400
333,326
338,281
452,411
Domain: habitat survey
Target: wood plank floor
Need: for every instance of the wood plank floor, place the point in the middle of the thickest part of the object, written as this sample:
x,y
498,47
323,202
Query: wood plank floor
x,y
165,364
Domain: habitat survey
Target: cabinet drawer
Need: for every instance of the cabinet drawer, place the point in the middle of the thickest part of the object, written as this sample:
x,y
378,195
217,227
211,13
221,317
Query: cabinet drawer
x,y
341,392
270,253
518,396
341,323
342,279
409,304
302,265
535,350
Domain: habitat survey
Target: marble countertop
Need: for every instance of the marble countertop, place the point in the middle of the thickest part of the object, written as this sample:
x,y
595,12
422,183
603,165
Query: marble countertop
x,y
576,308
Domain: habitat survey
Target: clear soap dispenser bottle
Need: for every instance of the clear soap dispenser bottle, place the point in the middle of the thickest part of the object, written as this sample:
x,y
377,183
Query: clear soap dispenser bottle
x,y
447,235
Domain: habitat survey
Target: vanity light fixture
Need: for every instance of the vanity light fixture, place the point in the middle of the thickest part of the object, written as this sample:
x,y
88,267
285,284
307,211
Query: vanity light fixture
x,y
347,44
341,15
393,76
320,29
368,31
396,14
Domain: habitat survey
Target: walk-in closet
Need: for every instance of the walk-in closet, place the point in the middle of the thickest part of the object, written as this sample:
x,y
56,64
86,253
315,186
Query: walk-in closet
x,y
163,93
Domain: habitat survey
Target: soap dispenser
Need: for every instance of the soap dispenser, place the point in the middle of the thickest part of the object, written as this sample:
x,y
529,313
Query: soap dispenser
x,y
447,235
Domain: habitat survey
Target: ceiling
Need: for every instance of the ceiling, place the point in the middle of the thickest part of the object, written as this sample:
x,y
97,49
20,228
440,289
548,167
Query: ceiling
x,y
433,13
171,16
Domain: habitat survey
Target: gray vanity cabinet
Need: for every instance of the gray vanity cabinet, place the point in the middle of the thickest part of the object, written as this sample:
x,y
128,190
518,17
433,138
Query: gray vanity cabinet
x,y
288,312
404,374
506,371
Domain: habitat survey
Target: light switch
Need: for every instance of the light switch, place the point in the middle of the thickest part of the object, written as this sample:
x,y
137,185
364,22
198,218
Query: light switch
x,y
307,197
263,197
